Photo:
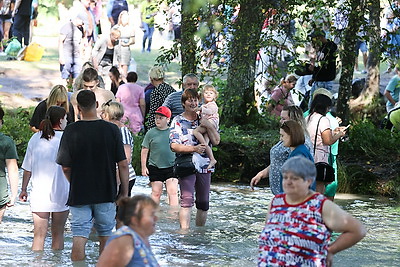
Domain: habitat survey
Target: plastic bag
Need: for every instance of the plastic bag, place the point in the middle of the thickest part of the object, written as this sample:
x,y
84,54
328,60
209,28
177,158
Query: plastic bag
x,y
34,52
13,48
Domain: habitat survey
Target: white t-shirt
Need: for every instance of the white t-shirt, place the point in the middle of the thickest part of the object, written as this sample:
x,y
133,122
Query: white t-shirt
x,y
321,151
50,188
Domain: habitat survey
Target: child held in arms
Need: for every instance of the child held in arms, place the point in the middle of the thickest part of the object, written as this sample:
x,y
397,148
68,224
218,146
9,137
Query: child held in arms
x,y
209,111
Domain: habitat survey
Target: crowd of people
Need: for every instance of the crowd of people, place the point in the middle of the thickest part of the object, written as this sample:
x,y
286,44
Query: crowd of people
x,y
79,161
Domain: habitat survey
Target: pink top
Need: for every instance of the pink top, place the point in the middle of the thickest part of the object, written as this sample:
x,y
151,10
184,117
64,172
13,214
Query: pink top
x,y
209,111
129,95
321,151
280,97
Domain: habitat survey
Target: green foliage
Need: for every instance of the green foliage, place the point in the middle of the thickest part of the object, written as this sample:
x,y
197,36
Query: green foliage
x,y
16,125
366,140
136,163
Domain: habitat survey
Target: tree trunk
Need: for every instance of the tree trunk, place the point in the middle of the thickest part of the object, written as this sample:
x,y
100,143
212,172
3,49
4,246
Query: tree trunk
x,y
188,30
239,106
348,57
367,100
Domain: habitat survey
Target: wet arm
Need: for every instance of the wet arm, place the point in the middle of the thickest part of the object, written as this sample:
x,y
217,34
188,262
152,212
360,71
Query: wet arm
x,y
12,168
143,159
340,221
25,181
123,171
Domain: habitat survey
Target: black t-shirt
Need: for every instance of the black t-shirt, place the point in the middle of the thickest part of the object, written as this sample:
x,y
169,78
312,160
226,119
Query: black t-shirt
x,y
326,58
25,8
91,149
40,112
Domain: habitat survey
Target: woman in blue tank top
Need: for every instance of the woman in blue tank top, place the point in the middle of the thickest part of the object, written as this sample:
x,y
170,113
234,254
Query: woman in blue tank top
x,y
129,245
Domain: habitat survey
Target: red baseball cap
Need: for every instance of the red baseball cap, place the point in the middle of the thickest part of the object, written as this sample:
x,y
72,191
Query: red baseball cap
x,y
164,111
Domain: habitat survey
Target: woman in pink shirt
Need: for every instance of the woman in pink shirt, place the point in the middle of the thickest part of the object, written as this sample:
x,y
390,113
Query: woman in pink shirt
x,y
131,97
281,95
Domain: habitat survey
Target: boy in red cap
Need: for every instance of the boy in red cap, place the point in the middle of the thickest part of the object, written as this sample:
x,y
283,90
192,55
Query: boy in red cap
x,y
158,159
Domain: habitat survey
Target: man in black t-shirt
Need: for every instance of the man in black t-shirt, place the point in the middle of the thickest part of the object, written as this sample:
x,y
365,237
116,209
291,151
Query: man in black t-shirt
x,y
89,152
323,65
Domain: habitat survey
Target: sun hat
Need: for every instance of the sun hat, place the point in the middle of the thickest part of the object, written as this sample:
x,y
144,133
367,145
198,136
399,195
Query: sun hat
x,y
164,111
323,91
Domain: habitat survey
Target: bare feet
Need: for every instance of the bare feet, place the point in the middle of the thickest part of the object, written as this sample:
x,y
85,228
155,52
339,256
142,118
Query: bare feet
x,y
212,163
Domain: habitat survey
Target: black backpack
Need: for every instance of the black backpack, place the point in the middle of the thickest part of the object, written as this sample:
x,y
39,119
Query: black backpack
x,y
118,7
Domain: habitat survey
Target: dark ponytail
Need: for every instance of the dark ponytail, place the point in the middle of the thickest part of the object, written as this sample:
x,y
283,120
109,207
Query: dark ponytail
x,y
52,119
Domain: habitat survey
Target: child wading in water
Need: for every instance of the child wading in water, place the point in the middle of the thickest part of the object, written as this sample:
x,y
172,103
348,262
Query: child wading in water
x,y
158,159
209,111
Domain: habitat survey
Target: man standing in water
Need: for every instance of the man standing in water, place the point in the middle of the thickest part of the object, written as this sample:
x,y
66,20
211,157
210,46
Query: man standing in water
x,y
173,101
89,152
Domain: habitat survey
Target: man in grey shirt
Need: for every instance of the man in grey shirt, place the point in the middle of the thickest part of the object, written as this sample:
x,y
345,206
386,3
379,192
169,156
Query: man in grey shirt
x,y
173,101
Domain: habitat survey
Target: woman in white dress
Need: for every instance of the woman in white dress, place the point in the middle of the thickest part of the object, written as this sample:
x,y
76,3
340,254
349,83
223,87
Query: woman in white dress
x,y
50,188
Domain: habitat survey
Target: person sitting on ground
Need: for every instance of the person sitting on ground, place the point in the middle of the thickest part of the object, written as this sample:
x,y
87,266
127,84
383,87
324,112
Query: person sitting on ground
x,y
113,111
305,219
58,96
129,245
9,157
209,111
116,79
158,160
50,188
131,96
281,96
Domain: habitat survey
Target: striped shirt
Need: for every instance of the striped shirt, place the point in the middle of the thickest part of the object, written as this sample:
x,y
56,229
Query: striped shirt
x,y
174,103
128,140
295,235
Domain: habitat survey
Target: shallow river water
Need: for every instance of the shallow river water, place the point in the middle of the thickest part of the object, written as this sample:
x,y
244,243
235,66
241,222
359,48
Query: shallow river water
x,y
229,238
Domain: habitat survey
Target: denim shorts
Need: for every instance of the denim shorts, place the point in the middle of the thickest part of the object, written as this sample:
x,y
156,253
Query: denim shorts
x,y
101,216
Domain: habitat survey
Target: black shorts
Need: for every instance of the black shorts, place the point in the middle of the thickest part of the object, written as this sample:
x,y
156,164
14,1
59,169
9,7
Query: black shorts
x,y
160,174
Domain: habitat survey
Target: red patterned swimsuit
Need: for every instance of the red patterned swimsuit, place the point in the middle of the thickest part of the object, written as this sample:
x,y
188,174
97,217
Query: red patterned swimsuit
x,y
295,235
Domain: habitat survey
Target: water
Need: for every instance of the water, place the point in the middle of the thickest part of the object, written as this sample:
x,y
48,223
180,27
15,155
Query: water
x,y
236,217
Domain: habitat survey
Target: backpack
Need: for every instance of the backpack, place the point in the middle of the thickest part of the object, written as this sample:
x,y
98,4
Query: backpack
x,y
118,7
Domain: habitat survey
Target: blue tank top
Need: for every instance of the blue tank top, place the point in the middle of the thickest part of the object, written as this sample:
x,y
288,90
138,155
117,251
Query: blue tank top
x,y
142,256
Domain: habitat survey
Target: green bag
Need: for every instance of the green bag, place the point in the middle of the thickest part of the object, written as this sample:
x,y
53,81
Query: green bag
x,y
13,48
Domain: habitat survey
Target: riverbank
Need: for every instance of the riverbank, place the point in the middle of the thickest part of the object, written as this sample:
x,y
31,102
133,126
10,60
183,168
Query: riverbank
x,y
242,152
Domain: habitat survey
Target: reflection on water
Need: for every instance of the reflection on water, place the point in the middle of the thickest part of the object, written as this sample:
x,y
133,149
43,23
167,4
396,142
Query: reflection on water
x,y
236,217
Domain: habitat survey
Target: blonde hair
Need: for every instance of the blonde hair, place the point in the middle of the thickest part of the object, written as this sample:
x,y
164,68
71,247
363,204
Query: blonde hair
x,y
209,87
58,93
289,79
114,109
123,12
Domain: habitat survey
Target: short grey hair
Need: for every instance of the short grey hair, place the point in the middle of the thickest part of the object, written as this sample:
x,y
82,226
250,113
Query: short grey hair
x,y
191,76
300,166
